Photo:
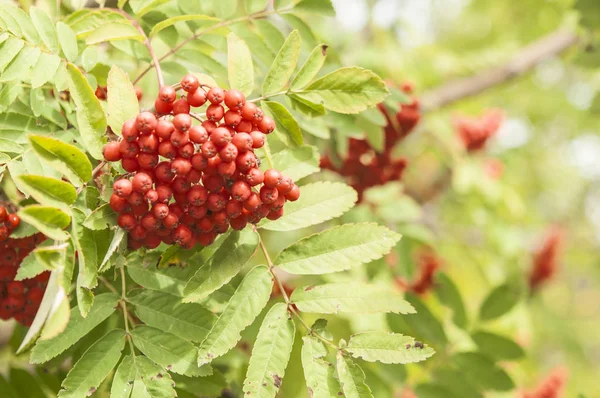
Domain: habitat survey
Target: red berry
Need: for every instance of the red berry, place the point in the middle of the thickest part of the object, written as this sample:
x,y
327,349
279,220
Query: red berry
x,y
180,185
285,186
150,222
251,112
266,125
228,153
198,134
278,203
232,118
242,141
170,221
145,122
186,151
209,149
182,122
138,233
233,208
216,95
235,99
206,239
164,194
163,107
253,202
152,241
246,161
226,169
12,221
275,214
160,210
220,219
138,93
273,178
181,106
209,126
197,195
164,128
199,162
166,149
181,166
151,196
254,177
180,138
216,202
111,152
126,221
147,160
220,136
182,234
244,126
135,199
130,165
189,83
3,213
214,113
239,223
163,172
268,195
123,188
197,212
140,209
148,143
258,139
142,182
128,149
213,183
117,203
205,225
240,191
294,194
34,295
167,94
197,98
101,93
15,288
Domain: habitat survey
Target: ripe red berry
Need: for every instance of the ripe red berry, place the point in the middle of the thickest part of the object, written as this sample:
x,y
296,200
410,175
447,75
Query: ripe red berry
x,y
147,161
3,213
182,122
181,166
167,94
275,214
151,196
126,221
163,172
180,185
205,225
232,118
150,222
285,186
220,219
240,191
197,195
258,139
148,143
128,149
164,128
138,93
251,112
213,183
101,93
138,233
166,149
186,151
226,169
198,134
182,234
160,210
209,149
266,125
206,239
181,106
214,113
239,223
233,208
180,138
197,98
164,194
253,202
221,136
117,203
268,195
130,165
273,178
142,182
163,107
189,83
278,203
254,177
245,161
145,122
12,221
15,288
228,153
123,188
244,126
170,221
197,212
216,95
198,161
111,152
135,198
294,194
243,142
215,202
209,126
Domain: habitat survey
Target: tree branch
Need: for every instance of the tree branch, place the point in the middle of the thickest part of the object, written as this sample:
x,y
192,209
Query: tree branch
x,y
523,61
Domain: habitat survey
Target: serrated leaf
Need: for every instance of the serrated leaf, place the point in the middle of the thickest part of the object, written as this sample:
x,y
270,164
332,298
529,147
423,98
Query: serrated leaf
x,y
244,306
351,297
320,7
93,367
170,280
496,346
24,22
283,66
500,300
423,325
225,8
311,67
45,27
66,158
211,386
116,241
114,31
20,67
122,103
104,305
140,375
318,372
87,260
101,218
48,191
164,311
10,146
90,115
182,18
449,295
387,348
240,67
223,266
296,162
253,6
284,120
48,220
10,48
142,7
337,249
346,90
45,69
352,378
169,351
482,371
67,40
308,36
274,39
30,266
270,354
319,202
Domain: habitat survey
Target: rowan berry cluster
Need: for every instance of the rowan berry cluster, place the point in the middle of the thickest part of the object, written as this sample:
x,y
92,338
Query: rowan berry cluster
x,y
545,259
19,299
8,223
429,263
364,167
551,387
474,132
188,182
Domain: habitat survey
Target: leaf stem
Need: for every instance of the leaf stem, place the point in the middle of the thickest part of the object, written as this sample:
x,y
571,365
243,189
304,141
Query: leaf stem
x,y
256,15
126,315
286,298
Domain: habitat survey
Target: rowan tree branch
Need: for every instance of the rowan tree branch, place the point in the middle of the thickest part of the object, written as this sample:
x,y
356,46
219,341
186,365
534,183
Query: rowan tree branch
x,y
522,62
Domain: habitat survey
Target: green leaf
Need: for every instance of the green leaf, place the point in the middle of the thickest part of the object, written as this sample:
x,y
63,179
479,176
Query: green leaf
x,y
337,249
352,378
28,385
143,377
67,40
351,297
45,69
142,7
48,191
253,6
319,202
30,266
270,354
104,305
306,107
166,312
296,162
273,37
346,90
320,7
87,260
500,300
482,371
311,67
223,266
48,220
224,8
308,36
182,18
449,295
93,367
25,23
283,66
211,386
122,103
387,348
170,280
424,324
66,158
10,146
21,65
114,31
45,27
433,390
244,306
90,115
169,351
10,48
496,346
101,218
240,67
375,134
318,372
284,120
116,241
452,380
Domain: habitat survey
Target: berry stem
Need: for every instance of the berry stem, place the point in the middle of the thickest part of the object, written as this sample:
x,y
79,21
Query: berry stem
x,y
286,298
256,15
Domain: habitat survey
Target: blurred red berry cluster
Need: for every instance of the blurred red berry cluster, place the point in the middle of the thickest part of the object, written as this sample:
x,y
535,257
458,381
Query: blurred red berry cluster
x,y
19,299
474,132
551,387
8,223
429,263
364,167
545,259
209,169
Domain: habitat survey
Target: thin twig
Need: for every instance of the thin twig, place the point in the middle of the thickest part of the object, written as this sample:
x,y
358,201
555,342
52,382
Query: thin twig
x,y
94,174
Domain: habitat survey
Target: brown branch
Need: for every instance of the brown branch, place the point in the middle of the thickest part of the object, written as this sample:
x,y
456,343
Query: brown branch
x,y
523,61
